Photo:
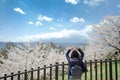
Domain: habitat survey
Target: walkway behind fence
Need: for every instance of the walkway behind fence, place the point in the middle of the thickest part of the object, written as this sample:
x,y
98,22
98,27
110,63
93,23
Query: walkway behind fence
x,y
97,70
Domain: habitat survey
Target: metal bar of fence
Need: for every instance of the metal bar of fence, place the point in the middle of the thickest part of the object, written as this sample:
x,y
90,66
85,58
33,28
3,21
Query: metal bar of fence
x,y
12,76
118,68
38,73
106,78
110,69
31,73
85,72
44,72
101,69
18,75
95,69
63,71
25,74
51,72
5,76
116,73
90,69
56,71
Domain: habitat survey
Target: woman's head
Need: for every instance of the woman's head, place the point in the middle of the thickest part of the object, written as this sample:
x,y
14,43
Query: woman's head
x,y
74,54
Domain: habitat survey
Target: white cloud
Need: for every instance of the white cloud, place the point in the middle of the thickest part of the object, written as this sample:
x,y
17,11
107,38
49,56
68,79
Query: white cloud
x,y
86,30
40,20
44,18
38,23
30,22
52,28
93,2
118,5
19,10
72,1
76,19
61,34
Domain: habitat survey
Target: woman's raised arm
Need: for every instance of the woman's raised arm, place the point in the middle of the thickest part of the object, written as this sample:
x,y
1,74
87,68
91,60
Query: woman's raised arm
x,y
67,54
81,52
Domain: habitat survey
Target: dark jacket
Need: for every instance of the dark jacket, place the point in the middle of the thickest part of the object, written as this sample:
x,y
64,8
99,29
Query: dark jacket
x,y
70,61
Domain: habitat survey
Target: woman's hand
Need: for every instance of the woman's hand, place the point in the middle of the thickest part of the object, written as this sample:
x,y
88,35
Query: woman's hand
x,y
74,48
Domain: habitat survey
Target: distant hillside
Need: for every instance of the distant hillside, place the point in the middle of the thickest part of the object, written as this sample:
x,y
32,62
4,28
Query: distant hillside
x,y
71,44
2,45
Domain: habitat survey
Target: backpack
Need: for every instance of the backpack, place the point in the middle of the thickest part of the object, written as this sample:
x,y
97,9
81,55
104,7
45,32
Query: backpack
x,y
76,70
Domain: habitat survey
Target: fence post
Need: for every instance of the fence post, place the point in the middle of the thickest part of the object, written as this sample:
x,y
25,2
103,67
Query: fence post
x,y
18,75
116,73
62,70
101,69
38,73
44,72
110,68
95,69
85,72
50,71
106,73
31,73
5,75
25,74
12,76
90,69
56,71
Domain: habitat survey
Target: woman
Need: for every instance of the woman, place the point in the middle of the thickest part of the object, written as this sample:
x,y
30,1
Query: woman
x,y
75,53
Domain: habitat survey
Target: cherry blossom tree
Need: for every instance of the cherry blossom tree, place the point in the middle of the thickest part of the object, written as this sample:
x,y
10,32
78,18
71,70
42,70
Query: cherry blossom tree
x,y
31,56
105,37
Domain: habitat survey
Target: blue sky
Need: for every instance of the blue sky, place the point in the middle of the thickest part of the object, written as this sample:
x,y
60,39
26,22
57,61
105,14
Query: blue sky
x,y
52,20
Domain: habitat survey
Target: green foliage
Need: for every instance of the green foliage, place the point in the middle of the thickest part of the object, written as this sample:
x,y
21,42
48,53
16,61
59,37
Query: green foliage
x,y
112,55
109,56
53,45
9,44
3,52
99,73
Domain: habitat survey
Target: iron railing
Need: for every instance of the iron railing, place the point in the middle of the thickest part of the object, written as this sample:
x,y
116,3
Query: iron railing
x,y
97,70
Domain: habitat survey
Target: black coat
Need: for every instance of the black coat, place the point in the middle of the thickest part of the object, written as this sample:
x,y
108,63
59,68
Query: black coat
x,y
71,63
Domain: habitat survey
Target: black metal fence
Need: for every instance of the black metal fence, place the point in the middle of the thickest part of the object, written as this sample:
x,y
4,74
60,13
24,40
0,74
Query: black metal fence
x,y
97,70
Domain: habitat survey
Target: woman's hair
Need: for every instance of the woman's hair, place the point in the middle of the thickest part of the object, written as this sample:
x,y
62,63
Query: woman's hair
x,y
74,54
